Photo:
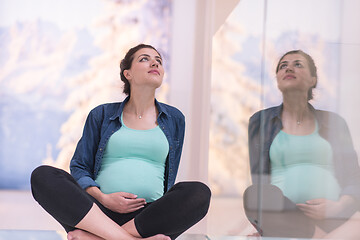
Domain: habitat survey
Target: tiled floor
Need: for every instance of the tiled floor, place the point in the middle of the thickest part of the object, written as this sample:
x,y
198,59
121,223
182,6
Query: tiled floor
x,y
29,235
18,211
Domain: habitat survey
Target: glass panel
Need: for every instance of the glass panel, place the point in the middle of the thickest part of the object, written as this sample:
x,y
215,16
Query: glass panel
x,y
305,176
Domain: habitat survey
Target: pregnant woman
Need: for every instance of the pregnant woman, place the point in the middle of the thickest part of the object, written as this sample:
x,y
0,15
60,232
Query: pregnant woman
x,y
124,167
305,172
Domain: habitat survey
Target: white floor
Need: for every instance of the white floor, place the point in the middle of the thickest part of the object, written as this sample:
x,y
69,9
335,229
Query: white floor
x,y
18,211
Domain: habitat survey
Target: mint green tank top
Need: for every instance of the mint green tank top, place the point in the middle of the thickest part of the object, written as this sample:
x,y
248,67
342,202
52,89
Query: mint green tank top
x,y
134,162
302,167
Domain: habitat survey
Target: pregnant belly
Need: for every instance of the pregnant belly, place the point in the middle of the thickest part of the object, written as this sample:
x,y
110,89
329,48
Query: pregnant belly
x,y
304,182
139,177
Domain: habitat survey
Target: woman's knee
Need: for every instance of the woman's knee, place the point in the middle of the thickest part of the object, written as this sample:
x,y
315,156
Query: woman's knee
x,y
40,175
194,188
42,179
203,191
197,193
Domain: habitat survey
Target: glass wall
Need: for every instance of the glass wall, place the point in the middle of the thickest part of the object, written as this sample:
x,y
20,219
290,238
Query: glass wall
x,y
294,166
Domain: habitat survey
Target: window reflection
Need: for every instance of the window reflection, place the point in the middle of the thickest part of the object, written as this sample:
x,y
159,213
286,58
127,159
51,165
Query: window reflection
x,y
304,179
304,167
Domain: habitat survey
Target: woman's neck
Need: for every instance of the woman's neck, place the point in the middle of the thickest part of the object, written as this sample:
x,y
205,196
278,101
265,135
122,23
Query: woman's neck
x,y
295,107
140,104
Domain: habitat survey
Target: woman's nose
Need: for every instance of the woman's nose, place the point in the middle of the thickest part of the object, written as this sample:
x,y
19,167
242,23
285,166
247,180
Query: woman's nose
x,y
154,63
289,68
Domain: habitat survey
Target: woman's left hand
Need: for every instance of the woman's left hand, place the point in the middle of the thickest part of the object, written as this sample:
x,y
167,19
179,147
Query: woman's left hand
x,y
320,208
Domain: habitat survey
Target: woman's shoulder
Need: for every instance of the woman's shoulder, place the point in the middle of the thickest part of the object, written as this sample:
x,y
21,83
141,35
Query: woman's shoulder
x,y
106,107
329,118
105,110
325,113
265,113
171,110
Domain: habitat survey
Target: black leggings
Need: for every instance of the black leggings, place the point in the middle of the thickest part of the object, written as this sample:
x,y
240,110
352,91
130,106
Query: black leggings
x,y
278,216
181,207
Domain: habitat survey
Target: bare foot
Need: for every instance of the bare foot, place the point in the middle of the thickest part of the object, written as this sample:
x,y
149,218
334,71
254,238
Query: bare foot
x,y
256,234
158,237
318,233
78,234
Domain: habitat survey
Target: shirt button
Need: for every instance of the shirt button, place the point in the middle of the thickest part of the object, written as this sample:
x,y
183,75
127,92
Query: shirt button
x,y
100,149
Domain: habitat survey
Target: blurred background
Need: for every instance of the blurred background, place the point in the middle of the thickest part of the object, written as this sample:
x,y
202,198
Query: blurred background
x,y
59,59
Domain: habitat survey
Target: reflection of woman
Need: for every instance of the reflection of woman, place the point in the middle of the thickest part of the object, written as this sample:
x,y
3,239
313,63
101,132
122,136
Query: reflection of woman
x,y
124,167
303,153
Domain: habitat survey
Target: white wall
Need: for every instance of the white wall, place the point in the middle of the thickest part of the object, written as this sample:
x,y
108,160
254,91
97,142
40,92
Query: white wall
x,y
190,83
194,24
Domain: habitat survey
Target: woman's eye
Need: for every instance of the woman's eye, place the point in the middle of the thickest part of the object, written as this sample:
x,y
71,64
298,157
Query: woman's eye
x,y
144,59
159,61
298,65
282,66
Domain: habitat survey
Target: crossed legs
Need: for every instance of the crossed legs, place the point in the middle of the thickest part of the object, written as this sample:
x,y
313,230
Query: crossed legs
x,y
57,192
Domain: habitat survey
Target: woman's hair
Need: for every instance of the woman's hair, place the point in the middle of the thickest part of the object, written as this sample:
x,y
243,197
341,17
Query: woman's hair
x,y
126,63
312,67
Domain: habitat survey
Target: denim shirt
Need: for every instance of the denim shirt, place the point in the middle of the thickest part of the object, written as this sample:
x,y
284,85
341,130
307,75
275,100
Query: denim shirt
x,y
103,121
266,124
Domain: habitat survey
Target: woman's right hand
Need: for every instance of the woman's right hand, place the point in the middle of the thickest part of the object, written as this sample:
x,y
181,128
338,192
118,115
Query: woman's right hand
x,y
122,202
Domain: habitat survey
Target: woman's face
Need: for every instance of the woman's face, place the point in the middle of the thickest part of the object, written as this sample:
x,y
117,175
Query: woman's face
x,y
294,74
146,69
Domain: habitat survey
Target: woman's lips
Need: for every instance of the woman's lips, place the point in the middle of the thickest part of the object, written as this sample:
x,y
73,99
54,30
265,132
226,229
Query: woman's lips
x,y
154,71
289,77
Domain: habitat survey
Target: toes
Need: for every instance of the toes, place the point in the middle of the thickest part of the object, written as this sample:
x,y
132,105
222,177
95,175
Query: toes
x,y
162,237
69,237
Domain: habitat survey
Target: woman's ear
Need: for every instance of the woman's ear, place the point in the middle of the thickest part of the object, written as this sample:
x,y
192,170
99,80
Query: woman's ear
x,y
314,81
127,74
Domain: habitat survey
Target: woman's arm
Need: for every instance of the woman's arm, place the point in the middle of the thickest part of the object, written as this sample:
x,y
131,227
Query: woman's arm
x,y
347,164
256,149
83,162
